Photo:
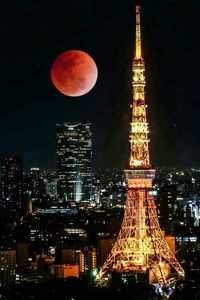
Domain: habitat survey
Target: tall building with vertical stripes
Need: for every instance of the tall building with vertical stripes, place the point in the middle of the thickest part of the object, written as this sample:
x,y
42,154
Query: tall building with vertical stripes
x,y
74,161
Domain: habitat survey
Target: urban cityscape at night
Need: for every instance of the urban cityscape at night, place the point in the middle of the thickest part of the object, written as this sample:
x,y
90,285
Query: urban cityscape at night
x,y
100,179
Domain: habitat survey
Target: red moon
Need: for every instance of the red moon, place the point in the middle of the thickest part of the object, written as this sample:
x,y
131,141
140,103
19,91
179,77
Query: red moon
x,y
74,73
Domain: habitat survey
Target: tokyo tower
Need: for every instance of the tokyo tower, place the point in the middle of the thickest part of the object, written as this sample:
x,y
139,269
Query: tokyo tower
x,y
141,247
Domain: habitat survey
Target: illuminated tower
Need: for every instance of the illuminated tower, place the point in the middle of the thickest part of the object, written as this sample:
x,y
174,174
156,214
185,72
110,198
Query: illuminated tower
x,y
141,247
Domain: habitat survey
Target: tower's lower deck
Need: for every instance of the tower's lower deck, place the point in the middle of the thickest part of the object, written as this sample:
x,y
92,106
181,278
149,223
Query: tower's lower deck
x,y
141,247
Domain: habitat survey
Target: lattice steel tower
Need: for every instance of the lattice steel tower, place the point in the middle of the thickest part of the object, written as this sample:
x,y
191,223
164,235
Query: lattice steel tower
x,y
141,246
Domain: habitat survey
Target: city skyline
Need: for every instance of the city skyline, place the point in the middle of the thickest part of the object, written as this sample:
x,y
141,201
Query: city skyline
x,y
35,34
89,229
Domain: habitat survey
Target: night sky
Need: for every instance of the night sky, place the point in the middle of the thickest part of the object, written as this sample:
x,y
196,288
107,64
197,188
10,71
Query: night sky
x,y
34,33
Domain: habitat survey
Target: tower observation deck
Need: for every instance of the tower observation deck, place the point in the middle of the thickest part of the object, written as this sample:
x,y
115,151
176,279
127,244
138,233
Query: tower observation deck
x,y
141,247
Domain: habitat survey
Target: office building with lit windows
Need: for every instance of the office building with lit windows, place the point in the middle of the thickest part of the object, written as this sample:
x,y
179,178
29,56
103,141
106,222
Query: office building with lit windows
x,y
7,267
166,198
12,183
74,161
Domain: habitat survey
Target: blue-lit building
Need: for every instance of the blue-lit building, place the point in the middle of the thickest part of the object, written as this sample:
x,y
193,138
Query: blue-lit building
x,y
74,161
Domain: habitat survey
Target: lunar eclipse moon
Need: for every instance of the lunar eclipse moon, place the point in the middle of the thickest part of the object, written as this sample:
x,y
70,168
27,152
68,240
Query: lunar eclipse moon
x,y
74,73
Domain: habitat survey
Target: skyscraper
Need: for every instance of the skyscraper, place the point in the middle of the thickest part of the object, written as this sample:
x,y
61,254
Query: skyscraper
x,y
166,206
74,161
7,267
37,186
12,183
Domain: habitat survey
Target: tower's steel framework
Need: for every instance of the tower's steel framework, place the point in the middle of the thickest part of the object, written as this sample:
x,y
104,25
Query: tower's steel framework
x,y
141,246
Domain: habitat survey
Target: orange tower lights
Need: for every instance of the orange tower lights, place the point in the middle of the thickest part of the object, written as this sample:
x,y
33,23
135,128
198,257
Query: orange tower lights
x,y
141,246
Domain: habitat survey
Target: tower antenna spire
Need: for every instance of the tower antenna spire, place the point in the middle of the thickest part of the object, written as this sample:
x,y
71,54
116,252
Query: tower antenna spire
x,y
139,139
138,47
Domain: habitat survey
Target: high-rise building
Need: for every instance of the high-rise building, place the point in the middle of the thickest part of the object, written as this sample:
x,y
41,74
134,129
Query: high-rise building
x,y
37,185
7,267
12,183
74,161
90,255
166,206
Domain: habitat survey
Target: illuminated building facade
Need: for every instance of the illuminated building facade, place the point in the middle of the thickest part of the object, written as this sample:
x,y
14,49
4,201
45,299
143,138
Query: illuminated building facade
x,y
166,206
90,255
86,258
7,267
37,186
12,183
141,247
64,271
74,161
